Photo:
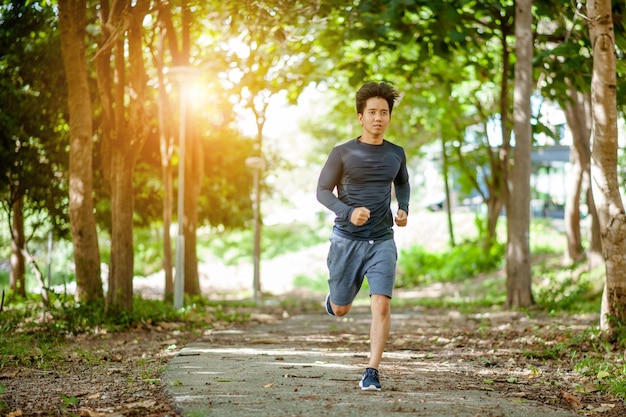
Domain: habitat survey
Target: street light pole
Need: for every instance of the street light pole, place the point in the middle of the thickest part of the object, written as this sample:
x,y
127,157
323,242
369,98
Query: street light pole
x,y
181,74
256,164
179,280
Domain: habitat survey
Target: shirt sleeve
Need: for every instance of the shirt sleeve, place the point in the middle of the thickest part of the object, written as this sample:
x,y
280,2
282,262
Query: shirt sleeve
x,y
329,178
402,187
403,193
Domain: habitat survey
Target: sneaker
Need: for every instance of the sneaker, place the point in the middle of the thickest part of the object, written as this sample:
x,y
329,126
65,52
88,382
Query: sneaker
x,y
369,381
329,308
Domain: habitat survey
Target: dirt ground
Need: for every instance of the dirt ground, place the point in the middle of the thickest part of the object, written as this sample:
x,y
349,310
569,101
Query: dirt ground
x,y
447,351
438,363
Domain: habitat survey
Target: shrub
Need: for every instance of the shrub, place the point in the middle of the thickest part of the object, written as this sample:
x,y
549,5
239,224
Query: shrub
x,y
418,266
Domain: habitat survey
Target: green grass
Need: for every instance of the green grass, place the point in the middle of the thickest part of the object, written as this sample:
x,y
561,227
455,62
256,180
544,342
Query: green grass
x,y
33,335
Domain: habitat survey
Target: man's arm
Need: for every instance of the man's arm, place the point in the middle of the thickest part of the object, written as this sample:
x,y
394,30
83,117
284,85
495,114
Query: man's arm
x,y
328,180
403,194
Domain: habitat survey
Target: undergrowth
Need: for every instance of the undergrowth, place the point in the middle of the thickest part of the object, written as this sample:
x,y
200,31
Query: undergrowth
x,y
33,335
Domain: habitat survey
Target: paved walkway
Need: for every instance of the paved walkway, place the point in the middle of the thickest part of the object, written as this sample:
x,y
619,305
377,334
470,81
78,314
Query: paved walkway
x,y
310,365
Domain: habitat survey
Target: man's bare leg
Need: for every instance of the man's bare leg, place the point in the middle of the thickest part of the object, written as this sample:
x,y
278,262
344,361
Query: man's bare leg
x,y
340,310
379,329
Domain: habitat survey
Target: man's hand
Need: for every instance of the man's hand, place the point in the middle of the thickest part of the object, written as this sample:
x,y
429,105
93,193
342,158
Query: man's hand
x,y
359,216
401,218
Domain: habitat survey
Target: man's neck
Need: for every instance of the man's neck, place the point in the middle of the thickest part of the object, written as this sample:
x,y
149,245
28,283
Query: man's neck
x,y
371,139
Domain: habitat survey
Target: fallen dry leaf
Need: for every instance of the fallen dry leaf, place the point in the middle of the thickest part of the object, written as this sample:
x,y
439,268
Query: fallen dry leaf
x,y
267,341
9,374
588,388
263,318
148,404
572,399
604,408
85,412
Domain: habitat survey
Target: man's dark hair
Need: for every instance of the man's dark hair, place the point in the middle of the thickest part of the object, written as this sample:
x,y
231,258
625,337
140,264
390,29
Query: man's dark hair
x,y
373,89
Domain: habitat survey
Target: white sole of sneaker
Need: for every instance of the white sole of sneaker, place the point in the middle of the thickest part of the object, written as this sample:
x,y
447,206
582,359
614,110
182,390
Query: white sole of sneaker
x,y
370,388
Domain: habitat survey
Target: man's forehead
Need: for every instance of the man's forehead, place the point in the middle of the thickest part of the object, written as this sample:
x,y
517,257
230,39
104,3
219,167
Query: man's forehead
x,y
376,103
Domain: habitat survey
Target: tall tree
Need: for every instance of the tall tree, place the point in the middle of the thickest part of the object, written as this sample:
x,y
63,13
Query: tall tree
x,y
73,25
33,160
577,113
564,78
122,89
518,274
194,160
605,183
165,31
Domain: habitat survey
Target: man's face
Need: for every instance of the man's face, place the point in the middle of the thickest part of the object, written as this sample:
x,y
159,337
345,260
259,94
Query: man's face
x,y
376,116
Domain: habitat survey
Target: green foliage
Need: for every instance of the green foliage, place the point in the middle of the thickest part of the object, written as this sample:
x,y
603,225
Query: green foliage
x,y
234,246
559,289
469,296
33,156
317,284
68,401
599,361
61,268
551,352
149,251
4,279
224,200
416,266
479,281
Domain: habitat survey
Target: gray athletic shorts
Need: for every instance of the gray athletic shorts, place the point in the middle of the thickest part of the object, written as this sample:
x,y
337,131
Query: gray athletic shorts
x,y
349,261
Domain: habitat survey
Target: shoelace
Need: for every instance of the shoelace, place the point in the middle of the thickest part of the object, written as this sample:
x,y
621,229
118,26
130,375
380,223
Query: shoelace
x,y
371,372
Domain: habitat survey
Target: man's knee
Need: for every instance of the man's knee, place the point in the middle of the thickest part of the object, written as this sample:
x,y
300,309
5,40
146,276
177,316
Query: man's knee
x,y
341,310
380,304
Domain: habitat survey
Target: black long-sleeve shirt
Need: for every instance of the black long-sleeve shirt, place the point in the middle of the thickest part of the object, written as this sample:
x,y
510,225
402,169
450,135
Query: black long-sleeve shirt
x,y
363,174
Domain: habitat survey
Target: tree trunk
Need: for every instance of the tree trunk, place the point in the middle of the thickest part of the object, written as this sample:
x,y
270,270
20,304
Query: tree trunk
x,y
124,132
446,184
499,187
120,292
577,115
518,272
17,278
605,184
166,146
73,25
194,171
495,203
594,253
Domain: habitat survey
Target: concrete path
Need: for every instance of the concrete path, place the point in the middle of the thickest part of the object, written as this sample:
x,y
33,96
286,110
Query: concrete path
x,y
310,365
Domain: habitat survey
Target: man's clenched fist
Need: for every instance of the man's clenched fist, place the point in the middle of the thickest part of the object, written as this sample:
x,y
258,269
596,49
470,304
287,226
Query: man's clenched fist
x,y
359,216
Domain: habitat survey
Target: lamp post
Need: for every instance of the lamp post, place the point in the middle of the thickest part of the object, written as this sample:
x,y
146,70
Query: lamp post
x,y
256,164
181,74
